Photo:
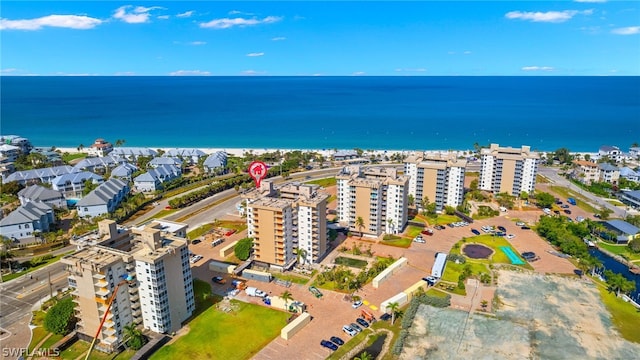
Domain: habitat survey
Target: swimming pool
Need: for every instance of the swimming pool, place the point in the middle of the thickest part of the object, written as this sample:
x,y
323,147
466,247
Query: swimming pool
x,y
515,260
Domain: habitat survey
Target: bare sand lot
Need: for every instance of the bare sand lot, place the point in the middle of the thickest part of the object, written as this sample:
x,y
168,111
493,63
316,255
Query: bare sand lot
x,y
540,317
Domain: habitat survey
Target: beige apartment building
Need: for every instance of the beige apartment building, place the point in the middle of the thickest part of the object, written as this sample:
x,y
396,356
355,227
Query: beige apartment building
x,y
507,169
586,171
378,196
281,219
439,177
145,272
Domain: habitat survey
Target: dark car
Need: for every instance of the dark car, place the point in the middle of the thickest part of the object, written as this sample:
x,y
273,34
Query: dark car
x,y
596,216
362,322
450,225
475,231
356,327
336,340
568,212
329,345
501,228
196,241
218,280
525,228
385,317
439,227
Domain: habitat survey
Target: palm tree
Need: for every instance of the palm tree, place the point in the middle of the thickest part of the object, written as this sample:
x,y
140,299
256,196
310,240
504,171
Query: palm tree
x,y
286,296
120,142
300,254
360,224
390,222
135,338
484,304
363,356
394,309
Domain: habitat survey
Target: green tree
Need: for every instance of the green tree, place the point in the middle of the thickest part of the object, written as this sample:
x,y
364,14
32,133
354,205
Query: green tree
x,y
89,186
134,337
484,304
11,188
604,212
286,296
390,222
449,210
411,199
634,245
563,156
59,319
618,283
473,185
243,248
120,142
360,224
524,195
545,200
301,254
393,307
364,356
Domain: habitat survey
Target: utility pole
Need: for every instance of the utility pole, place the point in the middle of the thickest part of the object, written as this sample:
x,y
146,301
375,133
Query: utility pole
x,y
50,285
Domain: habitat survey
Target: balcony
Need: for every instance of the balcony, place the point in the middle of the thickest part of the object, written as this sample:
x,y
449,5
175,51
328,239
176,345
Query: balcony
x,y
99,276
134,297
103,292
101,283
137,320
110,340
109,331
101,300
136,313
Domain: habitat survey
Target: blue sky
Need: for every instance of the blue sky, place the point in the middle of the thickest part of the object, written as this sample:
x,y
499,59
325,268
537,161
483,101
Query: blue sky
x,y
586,37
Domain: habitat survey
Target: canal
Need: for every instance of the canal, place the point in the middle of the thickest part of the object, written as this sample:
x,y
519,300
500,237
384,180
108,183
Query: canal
x,y
616,267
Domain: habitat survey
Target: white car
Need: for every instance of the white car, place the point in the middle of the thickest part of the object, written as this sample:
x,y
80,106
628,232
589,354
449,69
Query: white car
x,y
520,223
510,236
419,240
349,330
356,304
195,259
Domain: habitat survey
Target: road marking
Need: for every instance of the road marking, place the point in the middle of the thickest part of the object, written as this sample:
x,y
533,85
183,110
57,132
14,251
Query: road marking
x,y
373,307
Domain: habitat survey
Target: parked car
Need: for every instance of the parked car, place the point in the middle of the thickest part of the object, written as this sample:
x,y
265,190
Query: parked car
x,y
218,280
385,317
350,331
329,345
439,227
596,216
196,242
567,211
430,280
355,327
362,322
356,304
501,228
565,206
475,231
525,228
510,236
195,258
336,340
428,232
419,240
520,223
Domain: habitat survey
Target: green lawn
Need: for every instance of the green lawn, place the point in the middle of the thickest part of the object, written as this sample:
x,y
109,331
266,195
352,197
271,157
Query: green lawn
x,y
162,213
37,335
30,269
437,293
615,202
413,231
80,348
443,219
453,270
50,341
324,182
494,242
293,278
66,157
346,261
219,335
393,240
235,225
580,200
622,250
625,316
199,231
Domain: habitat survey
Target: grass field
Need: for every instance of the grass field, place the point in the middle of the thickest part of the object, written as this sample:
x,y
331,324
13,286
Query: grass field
x,y
293,278
235,225
324,182
622,250
615,202
399,241
625,316
453,270
227,336
443,219
413,231
437,293
346,261
66,157
494,242
580,200
199,231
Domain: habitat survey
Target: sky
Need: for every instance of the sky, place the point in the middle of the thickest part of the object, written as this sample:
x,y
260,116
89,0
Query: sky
x,y
324,38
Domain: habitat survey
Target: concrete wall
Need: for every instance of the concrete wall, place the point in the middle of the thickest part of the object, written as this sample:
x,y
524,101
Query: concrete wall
x,y
401,298
296,325
413,288
279,303
257,275
221,267
228,250
386,273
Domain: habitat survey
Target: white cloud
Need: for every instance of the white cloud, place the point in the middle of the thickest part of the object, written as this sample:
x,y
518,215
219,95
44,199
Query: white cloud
x,y
60,73
124,73
549,16
226,23
537,68
190,73
253,72
358,73
79,22
467,52
278,38
186,14
134,15
197,43
163,17
629,30
255,54
238,12
9,71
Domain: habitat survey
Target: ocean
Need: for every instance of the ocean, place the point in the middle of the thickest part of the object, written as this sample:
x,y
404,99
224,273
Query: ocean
x,y
395,113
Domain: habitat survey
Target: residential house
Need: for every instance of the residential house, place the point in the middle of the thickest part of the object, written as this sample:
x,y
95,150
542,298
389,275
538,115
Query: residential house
x,y
36,193
624,231
104,199
634,152
586,171
342,155
609,173
216,163
189,156
53,157
98,165
612,152
630,174
23,143
153,179
631,198
10,152
35,176
132,153
509,170
100,148
124,171
72,185
6,167
160,161
27,219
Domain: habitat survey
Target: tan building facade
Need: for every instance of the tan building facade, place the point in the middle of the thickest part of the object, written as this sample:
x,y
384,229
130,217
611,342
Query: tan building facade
x,y
285,218
377,196
438,177
509,170
586,171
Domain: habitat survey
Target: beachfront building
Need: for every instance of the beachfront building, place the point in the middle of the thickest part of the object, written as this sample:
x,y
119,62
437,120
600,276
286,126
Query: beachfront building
x,y
284,218
188,155
132,153
437,177
72,185
149,272
624,231
508,170
100,148
342,155
98,165
216,163
123,171
37,193
378,197
634,152
52,157
36,176
6,167
586,172
162,161
612,152
609,173
630,174
631,198
171,227
153,179
104,199
10,152
23,222
23,143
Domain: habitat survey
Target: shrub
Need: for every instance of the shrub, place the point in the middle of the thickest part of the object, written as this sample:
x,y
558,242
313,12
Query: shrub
x,y
243,248
59,319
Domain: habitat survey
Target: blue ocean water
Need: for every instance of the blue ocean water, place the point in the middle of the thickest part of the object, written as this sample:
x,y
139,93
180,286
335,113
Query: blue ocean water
x,y
399,113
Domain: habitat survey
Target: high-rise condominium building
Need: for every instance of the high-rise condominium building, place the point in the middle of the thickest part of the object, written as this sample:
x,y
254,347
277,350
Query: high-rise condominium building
x,y
372,200
144,272
507,169
281,219
438,177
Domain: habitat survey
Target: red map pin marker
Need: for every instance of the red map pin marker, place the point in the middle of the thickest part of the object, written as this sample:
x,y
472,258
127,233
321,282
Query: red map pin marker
x,y
258,171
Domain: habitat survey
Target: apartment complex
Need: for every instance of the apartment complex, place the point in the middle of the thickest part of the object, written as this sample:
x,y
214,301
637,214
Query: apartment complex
x,y
507,169
376,196
285,218
144,272
438,177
